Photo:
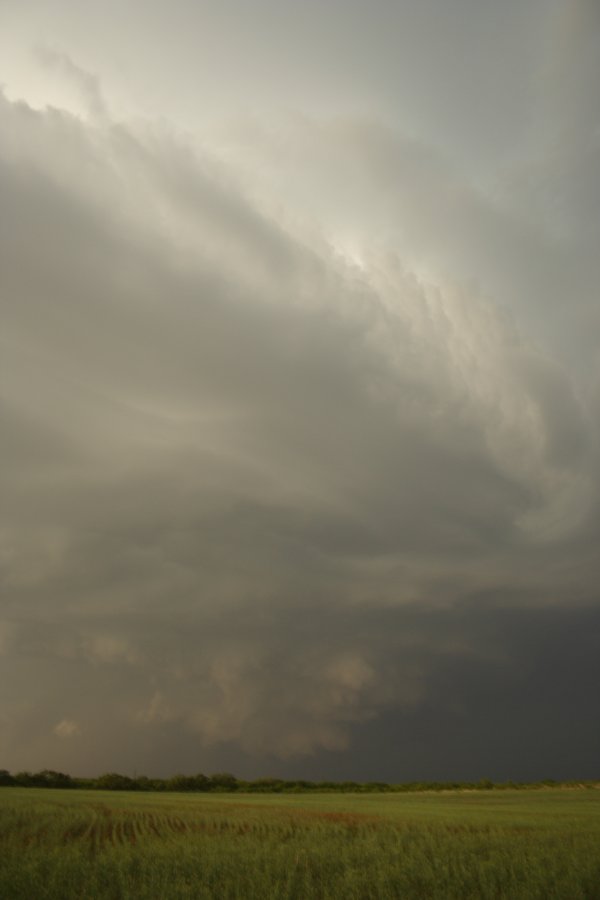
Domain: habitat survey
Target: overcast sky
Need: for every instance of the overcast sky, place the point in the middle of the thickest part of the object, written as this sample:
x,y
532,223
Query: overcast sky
x,y
300,387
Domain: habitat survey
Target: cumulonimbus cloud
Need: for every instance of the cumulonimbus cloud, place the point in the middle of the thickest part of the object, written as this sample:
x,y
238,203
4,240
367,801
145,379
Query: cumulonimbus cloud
x,y
236,421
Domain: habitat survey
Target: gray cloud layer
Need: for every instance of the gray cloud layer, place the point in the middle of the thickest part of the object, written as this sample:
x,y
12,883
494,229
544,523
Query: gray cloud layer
x,y
299,435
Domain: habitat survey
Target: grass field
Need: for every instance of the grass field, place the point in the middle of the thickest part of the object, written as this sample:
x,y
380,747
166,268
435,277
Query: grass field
x,y
92,844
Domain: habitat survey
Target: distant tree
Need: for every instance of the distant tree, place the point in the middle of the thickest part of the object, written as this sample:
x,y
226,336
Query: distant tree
x,y
267,785
201,782
50,778
6,778
298,787
24,779
84,784
143,783
181,783
223,781
112,781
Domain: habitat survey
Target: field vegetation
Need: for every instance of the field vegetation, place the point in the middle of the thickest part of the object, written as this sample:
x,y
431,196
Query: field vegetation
x,y
470,844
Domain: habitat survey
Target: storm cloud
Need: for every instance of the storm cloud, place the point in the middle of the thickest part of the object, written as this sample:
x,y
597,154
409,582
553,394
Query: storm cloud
x,y
300,402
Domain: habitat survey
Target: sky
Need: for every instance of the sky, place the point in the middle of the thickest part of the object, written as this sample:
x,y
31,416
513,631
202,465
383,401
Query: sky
x,y
300,388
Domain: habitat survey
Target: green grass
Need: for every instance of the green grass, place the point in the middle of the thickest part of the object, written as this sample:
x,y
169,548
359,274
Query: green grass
x,y
93,844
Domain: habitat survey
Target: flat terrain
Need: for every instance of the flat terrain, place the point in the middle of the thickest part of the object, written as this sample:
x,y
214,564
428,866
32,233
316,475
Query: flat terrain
x,y
482,844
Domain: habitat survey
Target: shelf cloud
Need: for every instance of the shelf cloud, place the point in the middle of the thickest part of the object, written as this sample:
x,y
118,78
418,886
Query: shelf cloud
x,y
300,396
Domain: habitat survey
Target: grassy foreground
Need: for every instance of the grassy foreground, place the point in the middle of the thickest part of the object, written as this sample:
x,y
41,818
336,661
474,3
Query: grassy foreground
x,y
92,844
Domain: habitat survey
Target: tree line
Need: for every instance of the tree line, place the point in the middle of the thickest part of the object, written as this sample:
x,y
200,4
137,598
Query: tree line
x,y
224,782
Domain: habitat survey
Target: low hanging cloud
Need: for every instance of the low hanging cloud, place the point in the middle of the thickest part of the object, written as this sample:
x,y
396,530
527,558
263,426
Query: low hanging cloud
x,y
260,443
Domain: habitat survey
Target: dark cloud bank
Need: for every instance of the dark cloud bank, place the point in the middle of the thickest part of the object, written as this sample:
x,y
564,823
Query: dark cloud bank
x,y
296,482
